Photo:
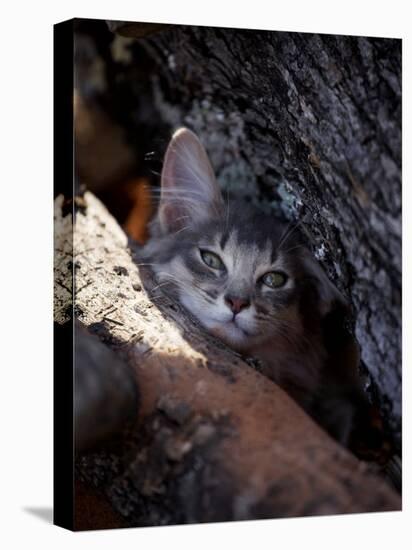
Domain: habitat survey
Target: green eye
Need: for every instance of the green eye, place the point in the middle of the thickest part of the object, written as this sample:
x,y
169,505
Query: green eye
x,y
274,279
211,259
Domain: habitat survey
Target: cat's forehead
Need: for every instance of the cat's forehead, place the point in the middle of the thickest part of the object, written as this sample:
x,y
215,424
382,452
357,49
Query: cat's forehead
x,y
245,231
244,251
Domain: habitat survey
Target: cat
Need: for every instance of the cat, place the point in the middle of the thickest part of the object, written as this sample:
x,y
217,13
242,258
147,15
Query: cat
x,y
251,282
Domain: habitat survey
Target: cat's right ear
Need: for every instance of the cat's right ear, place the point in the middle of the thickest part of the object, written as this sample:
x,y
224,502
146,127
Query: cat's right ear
x,y
189,191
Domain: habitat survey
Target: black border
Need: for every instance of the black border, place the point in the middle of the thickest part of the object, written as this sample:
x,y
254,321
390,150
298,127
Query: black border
x,y
63,173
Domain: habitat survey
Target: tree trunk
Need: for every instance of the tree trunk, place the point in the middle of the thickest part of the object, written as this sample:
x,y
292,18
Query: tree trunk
x,y
214,439
310,127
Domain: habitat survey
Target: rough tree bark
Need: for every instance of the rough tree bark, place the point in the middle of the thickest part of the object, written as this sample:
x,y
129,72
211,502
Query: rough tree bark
x,y
308,125
214,440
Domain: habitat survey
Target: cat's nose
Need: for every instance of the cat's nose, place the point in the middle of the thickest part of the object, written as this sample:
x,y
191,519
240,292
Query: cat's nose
x,y
236,304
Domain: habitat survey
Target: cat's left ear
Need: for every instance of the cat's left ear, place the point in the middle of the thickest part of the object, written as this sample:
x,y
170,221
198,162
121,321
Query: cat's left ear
x,y
189,192
330,298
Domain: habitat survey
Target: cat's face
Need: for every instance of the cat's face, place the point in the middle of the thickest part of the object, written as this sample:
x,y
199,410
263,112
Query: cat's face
x,y
234,278
241,273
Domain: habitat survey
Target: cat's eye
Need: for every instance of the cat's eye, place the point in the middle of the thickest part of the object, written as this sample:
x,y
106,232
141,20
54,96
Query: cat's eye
x,y
274,279
211,259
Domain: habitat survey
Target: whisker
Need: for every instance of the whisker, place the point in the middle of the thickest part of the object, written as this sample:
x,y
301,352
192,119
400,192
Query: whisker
x,y
142,265
182,229
176,191
293,248
300,338
288,232
160,285
227,209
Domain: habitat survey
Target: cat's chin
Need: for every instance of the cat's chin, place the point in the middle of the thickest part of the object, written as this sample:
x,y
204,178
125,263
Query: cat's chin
x,y
232,335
